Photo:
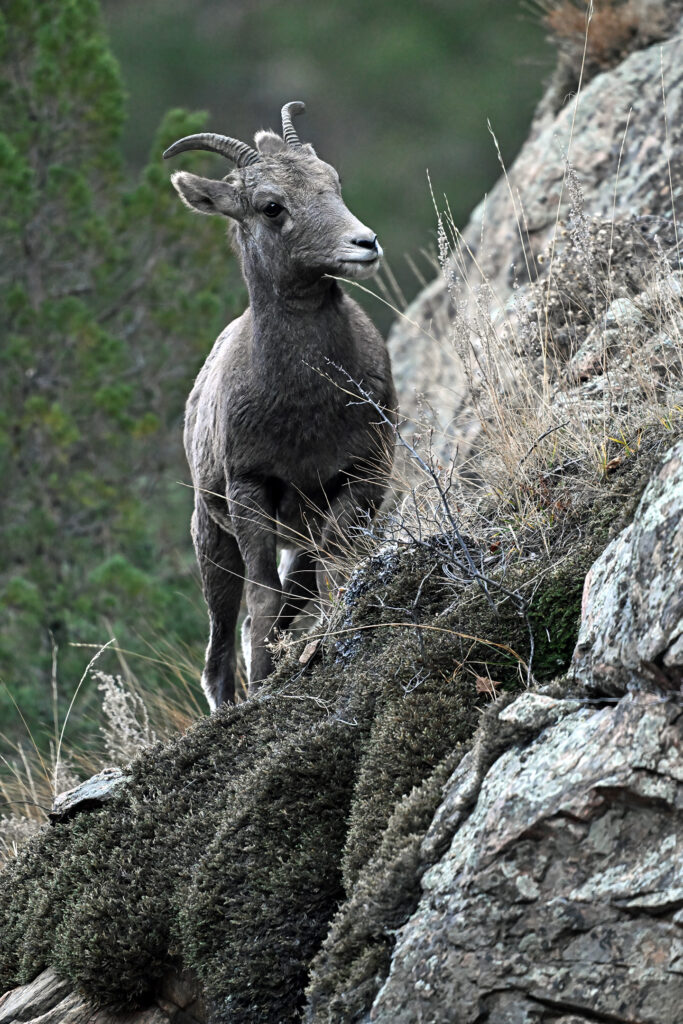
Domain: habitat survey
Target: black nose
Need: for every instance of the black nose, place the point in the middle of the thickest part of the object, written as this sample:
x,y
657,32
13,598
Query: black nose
x,y
366,243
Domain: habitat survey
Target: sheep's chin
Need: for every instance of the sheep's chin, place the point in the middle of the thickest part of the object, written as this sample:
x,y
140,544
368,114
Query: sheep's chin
x,y
358,270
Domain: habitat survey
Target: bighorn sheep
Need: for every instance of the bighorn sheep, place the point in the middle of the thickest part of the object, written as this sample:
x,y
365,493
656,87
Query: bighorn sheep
x,y
280,454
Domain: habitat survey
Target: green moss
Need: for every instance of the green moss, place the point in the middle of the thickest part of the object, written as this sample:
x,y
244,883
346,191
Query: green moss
x,y
257,908
354,960
554,617
410,735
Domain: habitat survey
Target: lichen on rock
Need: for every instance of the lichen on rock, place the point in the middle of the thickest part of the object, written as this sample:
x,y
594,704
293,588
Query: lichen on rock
x,y
633,596
559,891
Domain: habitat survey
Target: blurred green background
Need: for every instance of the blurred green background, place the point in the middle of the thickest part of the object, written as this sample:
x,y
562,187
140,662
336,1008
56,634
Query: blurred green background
x,y
393,89
111,293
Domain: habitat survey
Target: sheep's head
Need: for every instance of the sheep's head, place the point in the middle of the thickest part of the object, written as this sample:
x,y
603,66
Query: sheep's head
x,y
292,220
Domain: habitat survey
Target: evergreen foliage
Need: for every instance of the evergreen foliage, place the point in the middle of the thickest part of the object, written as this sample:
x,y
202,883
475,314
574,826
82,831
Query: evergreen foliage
x,y
110,296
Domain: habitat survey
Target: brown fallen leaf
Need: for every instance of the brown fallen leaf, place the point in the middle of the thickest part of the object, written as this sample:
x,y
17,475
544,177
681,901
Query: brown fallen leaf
x,y
486,685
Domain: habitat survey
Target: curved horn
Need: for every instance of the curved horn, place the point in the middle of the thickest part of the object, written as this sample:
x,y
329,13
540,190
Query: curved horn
x,y
239,152
289,111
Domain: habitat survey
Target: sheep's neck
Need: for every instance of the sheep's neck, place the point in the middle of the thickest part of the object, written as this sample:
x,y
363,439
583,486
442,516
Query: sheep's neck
x,y
304,318
284,297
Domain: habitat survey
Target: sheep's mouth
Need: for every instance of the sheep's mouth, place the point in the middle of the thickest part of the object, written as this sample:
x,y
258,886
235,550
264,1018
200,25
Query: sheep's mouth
x,y
364,266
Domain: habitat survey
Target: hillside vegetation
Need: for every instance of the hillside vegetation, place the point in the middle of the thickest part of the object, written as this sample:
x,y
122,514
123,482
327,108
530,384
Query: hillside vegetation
x,y
108,303
462,789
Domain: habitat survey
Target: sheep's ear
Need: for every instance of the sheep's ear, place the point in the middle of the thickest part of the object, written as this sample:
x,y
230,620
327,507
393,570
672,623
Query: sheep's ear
x,y
208,196
268,143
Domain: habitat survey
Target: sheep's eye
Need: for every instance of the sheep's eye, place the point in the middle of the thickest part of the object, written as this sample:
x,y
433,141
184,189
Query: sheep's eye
x,y
273,209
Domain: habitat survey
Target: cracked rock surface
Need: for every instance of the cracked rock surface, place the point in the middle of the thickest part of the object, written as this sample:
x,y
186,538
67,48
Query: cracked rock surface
x,y
632,623
560,894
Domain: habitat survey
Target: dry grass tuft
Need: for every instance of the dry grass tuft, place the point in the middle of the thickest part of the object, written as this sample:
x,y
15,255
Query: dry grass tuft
x,y
28,785
573,368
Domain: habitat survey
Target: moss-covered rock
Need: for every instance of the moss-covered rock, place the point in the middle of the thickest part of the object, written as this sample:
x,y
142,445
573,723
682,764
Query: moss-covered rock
x,y
409,737
232,848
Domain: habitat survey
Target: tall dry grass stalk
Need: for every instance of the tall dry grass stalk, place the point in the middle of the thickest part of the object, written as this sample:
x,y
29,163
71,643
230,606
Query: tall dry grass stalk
x,y
130,718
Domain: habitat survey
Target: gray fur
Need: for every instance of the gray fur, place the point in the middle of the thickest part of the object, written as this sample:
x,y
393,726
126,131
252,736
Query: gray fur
x,y
280,457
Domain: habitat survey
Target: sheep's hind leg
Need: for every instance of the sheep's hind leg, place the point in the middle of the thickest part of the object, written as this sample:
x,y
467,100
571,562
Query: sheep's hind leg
x,y
349,512
222,572
298,570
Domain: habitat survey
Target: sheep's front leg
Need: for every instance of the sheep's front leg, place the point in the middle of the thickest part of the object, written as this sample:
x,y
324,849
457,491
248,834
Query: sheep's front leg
x,y
252,512
298,575
222,572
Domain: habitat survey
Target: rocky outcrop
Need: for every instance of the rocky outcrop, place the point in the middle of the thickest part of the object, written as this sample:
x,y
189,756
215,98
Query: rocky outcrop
x,y
51,1000
551,875
599,162
560,894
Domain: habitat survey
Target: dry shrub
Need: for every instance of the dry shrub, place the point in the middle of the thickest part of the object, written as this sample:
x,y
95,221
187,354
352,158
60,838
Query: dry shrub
x,y
580,361
564,378
594,35
127,730
133,716
614,28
